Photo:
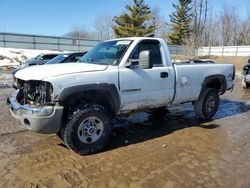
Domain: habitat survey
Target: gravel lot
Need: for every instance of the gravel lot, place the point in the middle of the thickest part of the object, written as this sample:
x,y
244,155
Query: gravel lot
x,y
172,149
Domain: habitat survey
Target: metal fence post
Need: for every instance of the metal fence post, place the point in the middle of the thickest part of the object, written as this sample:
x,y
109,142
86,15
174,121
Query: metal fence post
x,y
4,42
237,48
79,45
58,44
222,50
34,41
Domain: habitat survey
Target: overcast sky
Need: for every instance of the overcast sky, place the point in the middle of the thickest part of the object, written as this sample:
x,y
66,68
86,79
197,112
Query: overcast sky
x,y
57,17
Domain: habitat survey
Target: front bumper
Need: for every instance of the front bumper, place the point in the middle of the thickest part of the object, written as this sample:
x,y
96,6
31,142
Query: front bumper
x,y
45,119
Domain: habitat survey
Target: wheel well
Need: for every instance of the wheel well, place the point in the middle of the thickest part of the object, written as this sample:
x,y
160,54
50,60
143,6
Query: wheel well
x,y
95,96
215,83
218,83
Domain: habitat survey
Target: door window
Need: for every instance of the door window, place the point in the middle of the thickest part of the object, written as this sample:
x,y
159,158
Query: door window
x,y
153,47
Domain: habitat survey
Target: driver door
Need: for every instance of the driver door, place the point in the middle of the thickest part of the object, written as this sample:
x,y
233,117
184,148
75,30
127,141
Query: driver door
x,y
146,88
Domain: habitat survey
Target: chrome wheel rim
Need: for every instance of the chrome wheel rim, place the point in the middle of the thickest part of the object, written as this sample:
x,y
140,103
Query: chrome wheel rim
x,y
210,104
90,130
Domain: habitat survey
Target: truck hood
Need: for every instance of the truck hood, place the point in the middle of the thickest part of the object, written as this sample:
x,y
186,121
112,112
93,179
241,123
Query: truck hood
x,y
46,71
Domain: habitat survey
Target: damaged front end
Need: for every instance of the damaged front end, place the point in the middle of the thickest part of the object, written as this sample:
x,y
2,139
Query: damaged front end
x,y
34,106
37,93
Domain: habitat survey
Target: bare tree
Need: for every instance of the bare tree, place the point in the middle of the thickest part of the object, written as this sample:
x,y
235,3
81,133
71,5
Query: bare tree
x,y
229,25
159,21
211,32
103,27
79,32
244,31
226,28
200,12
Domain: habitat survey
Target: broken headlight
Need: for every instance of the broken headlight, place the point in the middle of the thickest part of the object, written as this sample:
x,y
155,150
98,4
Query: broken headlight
x,y
35,92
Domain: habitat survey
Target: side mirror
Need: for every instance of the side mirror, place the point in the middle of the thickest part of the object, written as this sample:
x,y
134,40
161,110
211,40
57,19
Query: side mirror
x,y
144,60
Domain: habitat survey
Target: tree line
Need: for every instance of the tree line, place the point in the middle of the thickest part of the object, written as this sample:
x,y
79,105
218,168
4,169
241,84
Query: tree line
x,y
192,23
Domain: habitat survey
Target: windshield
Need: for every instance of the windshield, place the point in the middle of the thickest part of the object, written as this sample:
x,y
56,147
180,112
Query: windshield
x,y
107,53
58,59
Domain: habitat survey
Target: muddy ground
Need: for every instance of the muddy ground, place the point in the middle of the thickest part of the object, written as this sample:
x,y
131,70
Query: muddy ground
x,y
174,149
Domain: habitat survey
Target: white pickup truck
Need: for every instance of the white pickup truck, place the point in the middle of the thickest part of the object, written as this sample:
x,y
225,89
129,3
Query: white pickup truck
x,y
79,100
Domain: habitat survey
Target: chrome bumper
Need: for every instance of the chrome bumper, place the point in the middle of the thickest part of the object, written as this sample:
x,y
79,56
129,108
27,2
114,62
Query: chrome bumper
x,y
45,119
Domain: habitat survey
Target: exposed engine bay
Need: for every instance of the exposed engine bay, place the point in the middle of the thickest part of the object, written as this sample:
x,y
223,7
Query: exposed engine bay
x,y
34,92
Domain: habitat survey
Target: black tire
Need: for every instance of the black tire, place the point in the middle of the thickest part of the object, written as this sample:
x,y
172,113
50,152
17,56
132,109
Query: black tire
x,y
245,85
88,129
207,104
61,133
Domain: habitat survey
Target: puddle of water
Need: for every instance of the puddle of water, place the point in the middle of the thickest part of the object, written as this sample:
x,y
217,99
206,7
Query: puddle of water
x,y
5,85
184,113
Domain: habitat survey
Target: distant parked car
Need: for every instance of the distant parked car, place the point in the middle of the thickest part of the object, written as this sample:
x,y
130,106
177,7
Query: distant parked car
x,y
40,59
61,58
246,75
66,58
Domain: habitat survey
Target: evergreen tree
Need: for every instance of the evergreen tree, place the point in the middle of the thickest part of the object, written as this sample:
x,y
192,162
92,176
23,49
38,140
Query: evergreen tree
x,y
135,21
181,19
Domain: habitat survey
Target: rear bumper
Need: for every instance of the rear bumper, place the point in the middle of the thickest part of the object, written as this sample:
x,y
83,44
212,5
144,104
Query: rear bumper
x,y
230,85
45,119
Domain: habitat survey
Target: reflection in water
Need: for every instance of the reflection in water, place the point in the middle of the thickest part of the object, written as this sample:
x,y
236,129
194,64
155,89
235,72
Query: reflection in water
x,y
185,112
144,126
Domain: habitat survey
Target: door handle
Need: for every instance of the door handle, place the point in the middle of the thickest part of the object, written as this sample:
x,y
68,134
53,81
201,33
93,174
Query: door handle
x,y
164,74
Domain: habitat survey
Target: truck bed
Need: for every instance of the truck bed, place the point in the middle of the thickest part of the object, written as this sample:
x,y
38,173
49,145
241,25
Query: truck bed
x,y
189,82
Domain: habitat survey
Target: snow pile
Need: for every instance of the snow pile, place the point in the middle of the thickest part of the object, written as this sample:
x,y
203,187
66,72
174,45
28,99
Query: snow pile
x,y
14,57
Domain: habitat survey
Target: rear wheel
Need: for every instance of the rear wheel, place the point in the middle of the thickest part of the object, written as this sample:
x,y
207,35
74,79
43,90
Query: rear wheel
x,y
88,129
207,104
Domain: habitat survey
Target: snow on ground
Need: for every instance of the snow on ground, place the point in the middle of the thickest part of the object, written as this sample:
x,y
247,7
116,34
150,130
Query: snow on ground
x,y
14,57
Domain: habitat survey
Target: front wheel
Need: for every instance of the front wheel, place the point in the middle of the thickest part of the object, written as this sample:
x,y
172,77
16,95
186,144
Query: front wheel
x,y
207,104
88,129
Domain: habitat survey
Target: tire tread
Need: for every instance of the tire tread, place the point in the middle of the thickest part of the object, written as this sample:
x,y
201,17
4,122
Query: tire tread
x,y
73,117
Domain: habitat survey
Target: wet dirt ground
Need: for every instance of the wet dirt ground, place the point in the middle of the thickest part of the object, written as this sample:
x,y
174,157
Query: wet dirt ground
x,y
172,149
